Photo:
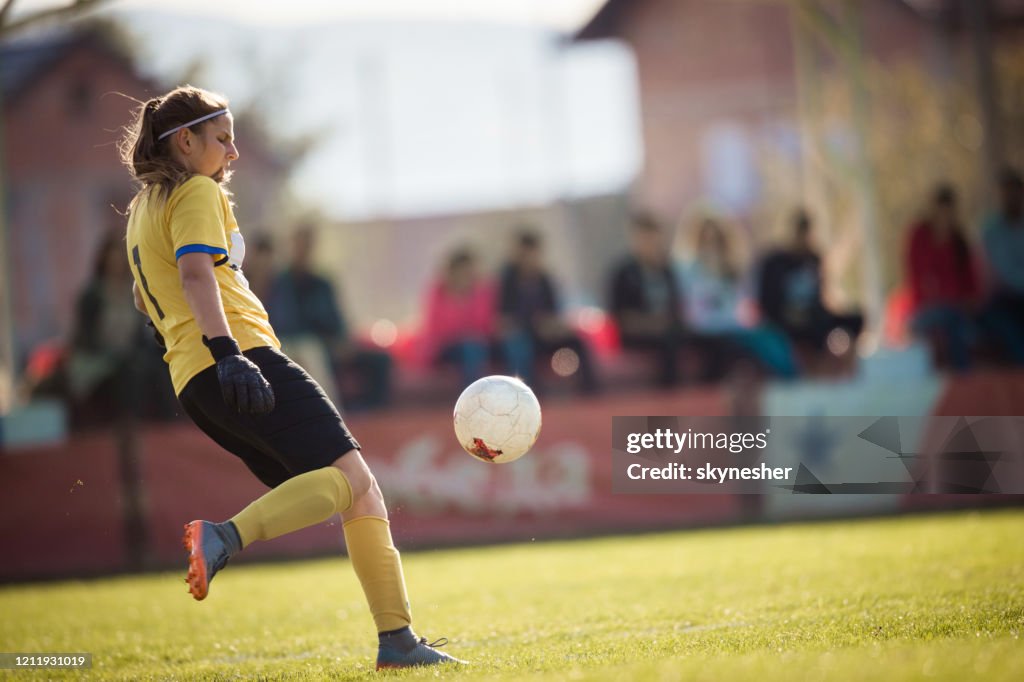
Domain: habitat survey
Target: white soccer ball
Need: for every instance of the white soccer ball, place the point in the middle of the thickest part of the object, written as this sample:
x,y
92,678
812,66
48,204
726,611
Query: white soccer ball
x,y
497,419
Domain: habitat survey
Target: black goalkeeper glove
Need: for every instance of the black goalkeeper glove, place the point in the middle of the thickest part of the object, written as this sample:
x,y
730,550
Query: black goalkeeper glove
x,y
241,383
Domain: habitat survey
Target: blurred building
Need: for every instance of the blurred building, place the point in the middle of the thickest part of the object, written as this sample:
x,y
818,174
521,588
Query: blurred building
x,y
66,98
61,120
719,80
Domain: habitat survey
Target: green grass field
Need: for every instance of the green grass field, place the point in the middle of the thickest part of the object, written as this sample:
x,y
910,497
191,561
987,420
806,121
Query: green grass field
x,y
928,597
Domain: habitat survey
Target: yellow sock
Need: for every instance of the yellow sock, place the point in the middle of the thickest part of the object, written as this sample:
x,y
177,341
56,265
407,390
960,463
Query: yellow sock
x,y
299,502
379,569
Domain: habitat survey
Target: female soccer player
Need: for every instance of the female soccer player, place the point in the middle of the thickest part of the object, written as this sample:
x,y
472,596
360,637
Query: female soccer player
x,y
186,255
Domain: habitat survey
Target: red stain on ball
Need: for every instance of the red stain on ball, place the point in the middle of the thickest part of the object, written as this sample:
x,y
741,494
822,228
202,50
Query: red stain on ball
x,y
481,451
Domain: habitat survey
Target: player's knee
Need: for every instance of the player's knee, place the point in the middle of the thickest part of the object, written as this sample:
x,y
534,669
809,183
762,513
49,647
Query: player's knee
x,y
360,479
370,504
374,492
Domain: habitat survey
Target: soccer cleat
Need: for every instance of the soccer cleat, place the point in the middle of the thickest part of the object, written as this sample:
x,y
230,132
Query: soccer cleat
x,y
392,655
207,553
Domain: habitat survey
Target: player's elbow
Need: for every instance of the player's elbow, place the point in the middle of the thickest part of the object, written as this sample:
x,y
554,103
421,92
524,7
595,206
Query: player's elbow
x,y
195,284
195,270
191,277
140,305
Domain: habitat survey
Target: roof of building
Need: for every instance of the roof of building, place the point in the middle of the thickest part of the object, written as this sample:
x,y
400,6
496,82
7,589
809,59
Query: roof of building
x,y
1004,9
606,21
23,62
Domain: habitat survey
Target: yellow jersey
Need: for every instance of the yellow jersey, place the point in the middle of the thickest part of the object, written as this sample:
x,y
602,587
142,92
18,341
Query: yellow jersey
x,y
195,218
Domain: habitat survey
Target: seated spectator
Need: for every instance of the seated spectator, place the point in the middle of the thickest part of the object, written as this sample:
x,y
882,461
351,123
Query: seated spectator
x,y
259,265
942,278
529,323
1003,239
458,324
113,361
303,308
713,295
790,294
645,299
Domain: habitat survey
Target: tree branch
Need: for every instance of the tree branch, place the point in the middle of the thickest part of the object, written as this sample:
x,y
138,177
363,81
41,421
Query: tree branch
x,y
5,10
54,13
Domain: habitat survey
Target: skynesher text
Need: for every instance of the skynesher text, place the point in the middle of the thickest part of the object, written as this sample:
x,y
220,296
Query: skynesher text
x,y
681,472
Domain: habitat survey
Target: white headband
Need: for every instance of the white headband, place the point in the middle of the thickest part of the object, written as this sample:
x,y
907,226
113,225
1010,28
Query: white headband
x,y
191,123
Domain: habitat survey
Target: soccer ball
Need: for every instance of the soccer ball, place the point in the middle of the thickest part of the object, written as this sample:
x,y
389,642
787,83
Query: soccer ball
x,y
497,419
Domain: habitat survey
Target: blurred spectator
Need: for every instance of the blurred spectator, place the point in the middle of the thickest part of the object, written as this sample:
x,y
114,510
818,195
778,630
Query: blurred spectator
x,y
113,362
790,293
645,299
304,310
458,324
259,265
1003,235
943,281
713,295
530,326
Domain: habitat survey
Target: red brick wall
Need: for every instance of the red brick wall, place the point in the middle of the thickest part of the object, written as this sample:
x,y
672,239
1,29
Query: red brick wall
x,y
703,62
62,174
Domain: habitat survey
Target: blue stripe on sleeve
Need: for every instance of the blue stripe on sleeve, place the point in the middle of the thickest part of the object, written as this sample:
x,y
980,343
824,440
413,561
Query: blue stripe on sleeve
x,y
199,248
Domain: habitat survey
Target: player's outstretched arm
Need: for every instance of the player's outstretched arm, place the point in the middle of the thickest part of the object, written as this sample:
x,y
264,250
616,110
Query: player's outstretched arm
x,y
202,293
241,382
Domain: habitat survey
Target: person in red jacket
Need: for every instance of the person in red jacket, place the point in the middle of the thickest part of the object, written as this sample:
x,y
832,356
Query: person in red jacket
x,y
943,280
459,319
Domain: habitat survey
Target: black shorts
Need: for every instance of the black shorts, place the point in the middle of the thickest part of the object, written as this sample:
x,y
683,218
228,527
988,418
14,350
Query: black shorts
x,y
302,433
